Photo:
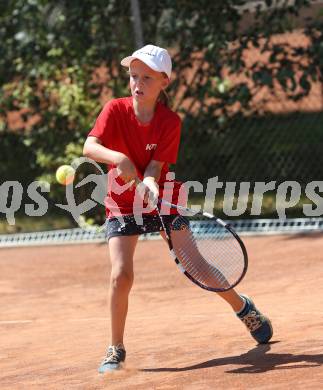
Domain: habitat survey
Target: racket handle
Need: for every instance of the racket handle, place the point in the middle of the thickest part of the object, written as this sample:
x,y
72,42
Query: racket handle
x,y
160,201
137,182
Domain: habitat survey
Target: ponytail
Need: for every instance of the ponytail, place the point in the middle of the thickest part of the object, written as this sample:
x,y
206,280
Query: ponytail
x,y
163,95
164,98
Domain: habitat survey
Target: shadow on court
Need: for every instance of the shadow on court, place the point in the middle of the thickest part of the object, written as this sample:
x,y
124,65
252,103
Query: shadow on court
x,y
257,360
311,234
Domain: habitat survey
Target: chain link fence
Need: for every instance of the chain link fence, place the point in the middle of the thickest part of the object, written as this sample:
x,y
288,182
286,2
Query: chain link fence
x,y
273,147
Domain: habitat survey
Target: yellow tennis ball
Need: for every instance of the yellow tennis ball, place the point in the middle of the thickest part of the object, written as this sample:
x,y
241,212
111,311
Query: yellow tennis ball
x,y
65,174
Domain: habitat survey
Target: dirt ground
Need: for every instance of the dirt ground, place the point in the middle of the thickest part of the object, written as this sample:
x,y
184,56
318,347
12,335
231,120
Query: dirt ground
x,y
54,320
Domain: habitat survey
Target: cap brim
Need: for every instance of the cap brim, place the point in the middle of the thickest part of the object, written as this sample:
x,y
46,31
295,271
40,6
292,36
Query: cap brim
x,y
127,61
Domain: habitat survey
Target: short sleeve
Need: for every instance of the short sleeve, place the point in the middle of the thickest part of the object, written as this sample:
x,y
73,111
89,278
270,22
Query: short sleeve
x,y
104,124
167,147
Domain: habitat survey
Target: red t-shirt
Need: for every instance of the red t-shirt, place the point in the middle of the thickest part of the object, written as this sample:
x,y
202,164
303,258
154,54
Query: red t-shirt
x,y
118,129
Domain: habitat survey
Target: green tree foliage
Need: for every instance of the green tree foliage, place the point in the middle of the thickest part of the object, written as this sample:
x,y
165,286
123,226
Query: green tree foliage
x,y
48,58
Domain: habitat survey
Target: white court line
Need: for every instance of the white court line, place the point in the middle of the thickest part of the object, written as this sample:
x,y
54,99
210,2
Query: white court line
x,y
15,322
88,319
51,320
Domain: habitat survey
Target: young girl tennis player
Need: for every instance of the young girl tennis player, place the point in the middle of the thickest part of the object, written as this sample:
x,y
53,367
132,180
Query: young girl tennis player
x,y
138,136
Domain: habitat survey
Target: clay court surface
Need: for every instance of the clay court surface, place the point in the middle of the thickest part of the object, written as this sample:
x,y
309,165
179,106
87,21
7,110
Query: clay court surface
x,y
54,320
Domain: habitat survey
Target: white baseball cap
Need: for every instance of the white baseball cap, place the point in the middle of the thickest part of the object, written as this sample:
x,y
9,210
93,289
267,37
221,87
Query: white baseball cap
x,y
155,57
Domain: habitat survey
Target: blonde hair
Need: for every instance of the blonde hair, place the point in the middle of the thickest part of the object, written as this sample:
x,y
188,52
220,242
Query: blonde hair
x,y
164,98
163,95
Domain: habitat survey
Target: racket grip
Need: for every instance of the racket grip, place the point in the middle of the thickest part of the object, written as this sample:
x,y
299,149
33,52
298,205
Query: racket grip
x,y
136,182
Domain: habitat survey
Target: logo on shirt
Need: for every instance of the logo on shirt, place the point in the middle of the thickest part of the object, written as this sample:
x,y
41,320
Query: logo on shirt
x,y
151,146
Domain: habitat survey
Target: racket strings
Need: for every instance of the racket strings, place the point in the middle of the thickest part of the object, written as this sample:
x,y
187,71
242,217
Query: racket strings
x,y
208,251
200,268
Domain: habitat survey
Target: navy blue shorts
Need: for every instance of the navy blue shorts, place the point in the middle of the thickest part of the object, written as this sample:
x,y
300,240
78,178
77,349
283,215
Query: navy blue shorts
x,y
129,227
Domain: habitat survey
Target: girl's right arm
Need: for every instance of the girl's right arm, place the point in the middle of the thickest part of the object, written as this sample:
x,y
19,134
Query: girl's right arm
x,y
96,151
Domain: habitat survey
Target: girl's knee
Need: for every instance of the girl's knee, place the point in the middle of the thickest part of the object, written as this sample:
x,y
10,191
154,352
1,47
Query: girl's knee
x,y
121,280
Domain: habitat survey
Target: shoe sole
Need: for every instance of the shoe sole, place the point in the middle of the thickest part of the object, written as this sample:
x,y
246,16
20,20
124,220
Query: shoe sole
x,y
266,318
271,332
112,369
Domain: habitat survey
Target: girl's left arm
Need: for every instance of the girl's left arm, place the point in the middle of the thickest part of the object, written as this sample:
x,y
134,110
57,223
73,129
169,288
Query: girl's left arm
x,y
153,170
151,177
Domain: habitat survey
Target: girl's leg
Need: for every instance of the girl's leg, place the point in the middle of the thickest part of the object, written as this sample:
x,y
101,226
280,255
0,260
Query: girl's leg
x,y
233,299
121,250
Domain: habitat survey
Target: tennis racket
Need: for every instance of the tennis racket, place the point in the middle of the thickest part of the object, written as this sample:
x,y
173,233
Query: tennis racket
x,y
206,249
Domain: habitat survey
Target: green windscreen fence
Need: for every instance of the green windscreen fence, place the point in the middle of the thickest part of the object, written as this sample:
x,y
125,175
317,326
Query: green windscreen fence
x,y
280,148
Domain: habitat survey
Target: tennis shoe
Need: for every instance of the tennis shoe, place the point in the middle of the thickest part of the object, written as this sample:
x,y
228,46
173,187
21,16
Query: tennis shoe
x,y
116,355
258,325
